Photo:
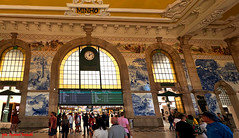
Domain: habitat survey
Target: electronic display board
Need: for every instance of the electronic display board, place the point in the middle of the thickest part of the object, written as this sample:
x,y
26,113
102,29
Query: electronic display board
x,y
90,97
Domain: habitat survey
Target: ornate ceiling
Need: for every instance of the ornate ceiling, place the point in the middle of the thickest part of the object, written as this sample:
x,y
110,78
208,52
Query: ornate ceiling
x,y
203,19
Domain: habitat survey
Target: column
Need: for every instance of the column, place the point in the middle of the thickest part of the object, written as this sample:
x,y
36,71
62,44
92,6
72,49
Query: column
x,y
184,44
233,45
192,71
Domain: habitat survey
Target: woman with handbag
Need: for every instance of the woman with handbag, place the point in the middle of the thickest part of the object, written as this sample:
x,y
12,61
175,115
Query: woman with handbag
x,y
14,121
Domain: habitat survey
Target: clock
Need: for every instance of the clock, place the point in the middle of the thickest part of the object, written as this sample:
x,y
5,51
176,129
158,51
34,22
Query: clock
x,y
89,55
89,59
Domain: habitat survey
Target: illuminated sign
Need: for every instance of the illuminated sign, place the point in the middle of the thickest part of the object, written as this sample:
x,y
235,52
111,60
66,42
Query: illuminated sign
x,y
90,97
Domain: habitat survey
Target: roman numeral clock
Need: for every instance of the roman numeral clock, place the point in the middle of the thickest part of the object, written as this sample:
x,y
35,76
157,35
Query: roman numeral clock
x,y
89,59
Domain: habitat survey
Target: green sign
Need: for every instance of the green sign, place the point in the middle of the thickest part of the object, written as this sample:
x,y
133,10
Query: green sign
x,y
107,97
90,97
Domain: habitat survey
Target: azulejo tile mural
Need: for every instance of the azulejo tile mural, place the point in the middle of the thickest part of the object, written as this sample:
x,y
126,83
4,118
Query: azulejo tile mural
x,y
195,105
211,71
37,104
212,104
143,104
187,75
39,75
138,74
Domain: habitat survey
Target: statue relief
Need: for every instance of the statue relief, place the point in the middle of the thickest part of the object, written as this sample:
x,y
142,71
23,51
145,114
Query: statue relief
x,y
202,103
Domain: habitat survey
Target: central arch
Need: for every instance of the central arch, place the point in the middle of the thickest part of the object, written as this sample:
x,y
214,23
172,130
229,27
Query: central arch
x,y
56,63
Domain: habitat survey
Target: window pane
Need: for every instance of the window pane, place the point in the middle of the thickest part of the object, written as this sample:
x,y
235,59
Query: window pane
x,y
70,75
163,68
12,64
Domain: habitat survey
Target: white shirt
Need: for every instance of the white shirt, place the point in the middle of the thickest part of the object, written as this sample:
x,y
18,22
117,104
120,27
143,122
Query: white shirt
x,y
100,133
70,119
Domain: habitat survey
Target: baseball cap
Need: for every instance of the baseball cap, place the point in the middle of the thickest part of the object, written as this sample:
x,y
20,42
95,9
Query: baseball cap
x,y
211,115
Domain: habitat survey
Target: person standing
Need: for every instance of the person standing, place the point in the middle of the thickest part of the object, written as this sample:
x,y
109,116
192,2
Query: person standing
x,y
215,129
86,123
124,123
52,125
170,120
59,121
183,129
203,126
116,131
14,121
77,122
65,126
71,122
101,131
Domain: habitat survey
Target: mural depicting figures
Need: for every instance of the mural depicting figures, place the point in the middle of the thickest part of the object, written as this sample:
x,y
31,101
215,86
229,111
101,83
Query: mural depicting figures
x,y
211,71
212,103
53,45
37,104
143,104
138,74
131,48
210,50
39,75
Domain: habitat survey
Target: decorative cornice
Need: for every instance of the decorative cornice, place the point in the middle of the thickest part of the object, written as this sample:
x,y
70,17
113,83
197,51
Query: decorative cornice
x,y
176,8
212,17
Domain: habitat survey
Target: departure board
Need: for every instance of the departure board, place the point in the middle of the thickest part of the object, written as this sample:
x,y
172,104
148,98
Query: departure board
x,y
90,97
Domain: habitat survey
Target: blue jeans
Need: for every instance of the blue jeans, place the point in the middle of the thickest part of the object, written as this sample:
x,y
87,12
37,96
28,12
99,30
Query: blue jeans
x,y
171,125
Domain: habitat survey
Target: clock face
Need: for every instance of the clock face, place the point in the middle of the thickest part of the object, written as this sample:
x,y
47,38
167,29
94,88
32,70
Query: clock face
x,y
89,55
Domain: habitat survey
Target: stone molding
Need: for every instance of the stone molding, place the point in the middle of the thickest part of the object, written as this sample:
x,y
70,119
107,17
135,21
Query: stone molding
x,y
177,65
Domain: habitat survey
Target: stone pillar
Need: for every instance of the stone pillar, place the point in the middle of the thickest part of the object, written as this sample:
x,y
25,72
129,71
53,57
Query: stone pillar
x,y
184,44
233,44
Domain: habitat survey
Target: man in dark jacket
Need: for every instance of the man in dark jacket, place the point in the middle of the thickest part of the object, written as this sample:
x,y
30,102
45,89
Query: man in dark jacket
x,y
85,120
183,129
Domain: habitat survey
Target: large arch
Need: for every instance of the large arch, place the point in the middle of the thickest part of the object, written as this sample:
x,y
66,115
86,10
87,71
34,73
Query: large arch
x,y
232,96
55,68
23,85
9,43
181,84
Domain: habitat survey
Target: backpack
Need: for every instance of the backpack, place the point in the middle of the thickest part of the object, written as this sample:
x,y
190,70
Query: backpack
x,y
197,129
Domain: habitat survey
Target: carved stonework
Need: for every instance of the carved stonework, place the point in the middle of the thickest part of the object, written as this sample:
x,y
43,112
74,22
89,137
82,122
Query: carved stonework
x,y
176,8
213,16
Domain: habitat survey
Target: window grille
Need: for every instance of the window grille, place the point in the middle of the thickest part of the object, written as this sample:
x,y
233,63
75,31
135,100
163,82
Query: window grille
x,y
223,96
12,64
163,69
71,77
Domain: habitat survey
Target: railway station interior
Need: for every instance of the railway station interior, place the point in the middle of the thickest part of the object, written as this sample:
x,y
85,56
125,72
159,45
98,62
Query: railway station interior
x,y
145,58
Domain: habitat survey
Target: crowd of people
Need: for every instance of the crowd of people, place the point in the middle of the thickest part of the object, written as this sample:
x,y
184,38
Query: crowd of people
x,y
96,126
209,125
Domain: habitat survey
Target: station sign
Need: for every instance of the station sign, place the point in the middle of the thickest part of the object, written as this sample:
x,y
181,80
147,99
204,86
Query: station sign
x,y
90,97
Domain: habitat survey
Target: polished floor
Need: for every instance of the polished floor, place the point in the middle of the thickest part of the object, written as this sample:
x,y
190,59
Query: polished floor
x,y
137,133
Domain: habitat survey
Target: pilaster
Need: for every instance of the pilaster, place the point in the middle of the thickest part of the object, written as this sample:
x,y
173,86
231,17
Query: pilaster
x,y
233,44
184,44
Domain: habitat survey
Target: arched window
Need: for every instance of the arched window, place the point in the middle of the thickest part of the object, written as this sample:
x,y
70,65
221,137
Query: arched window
x,y
223,96
12,64
73,77
163,69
